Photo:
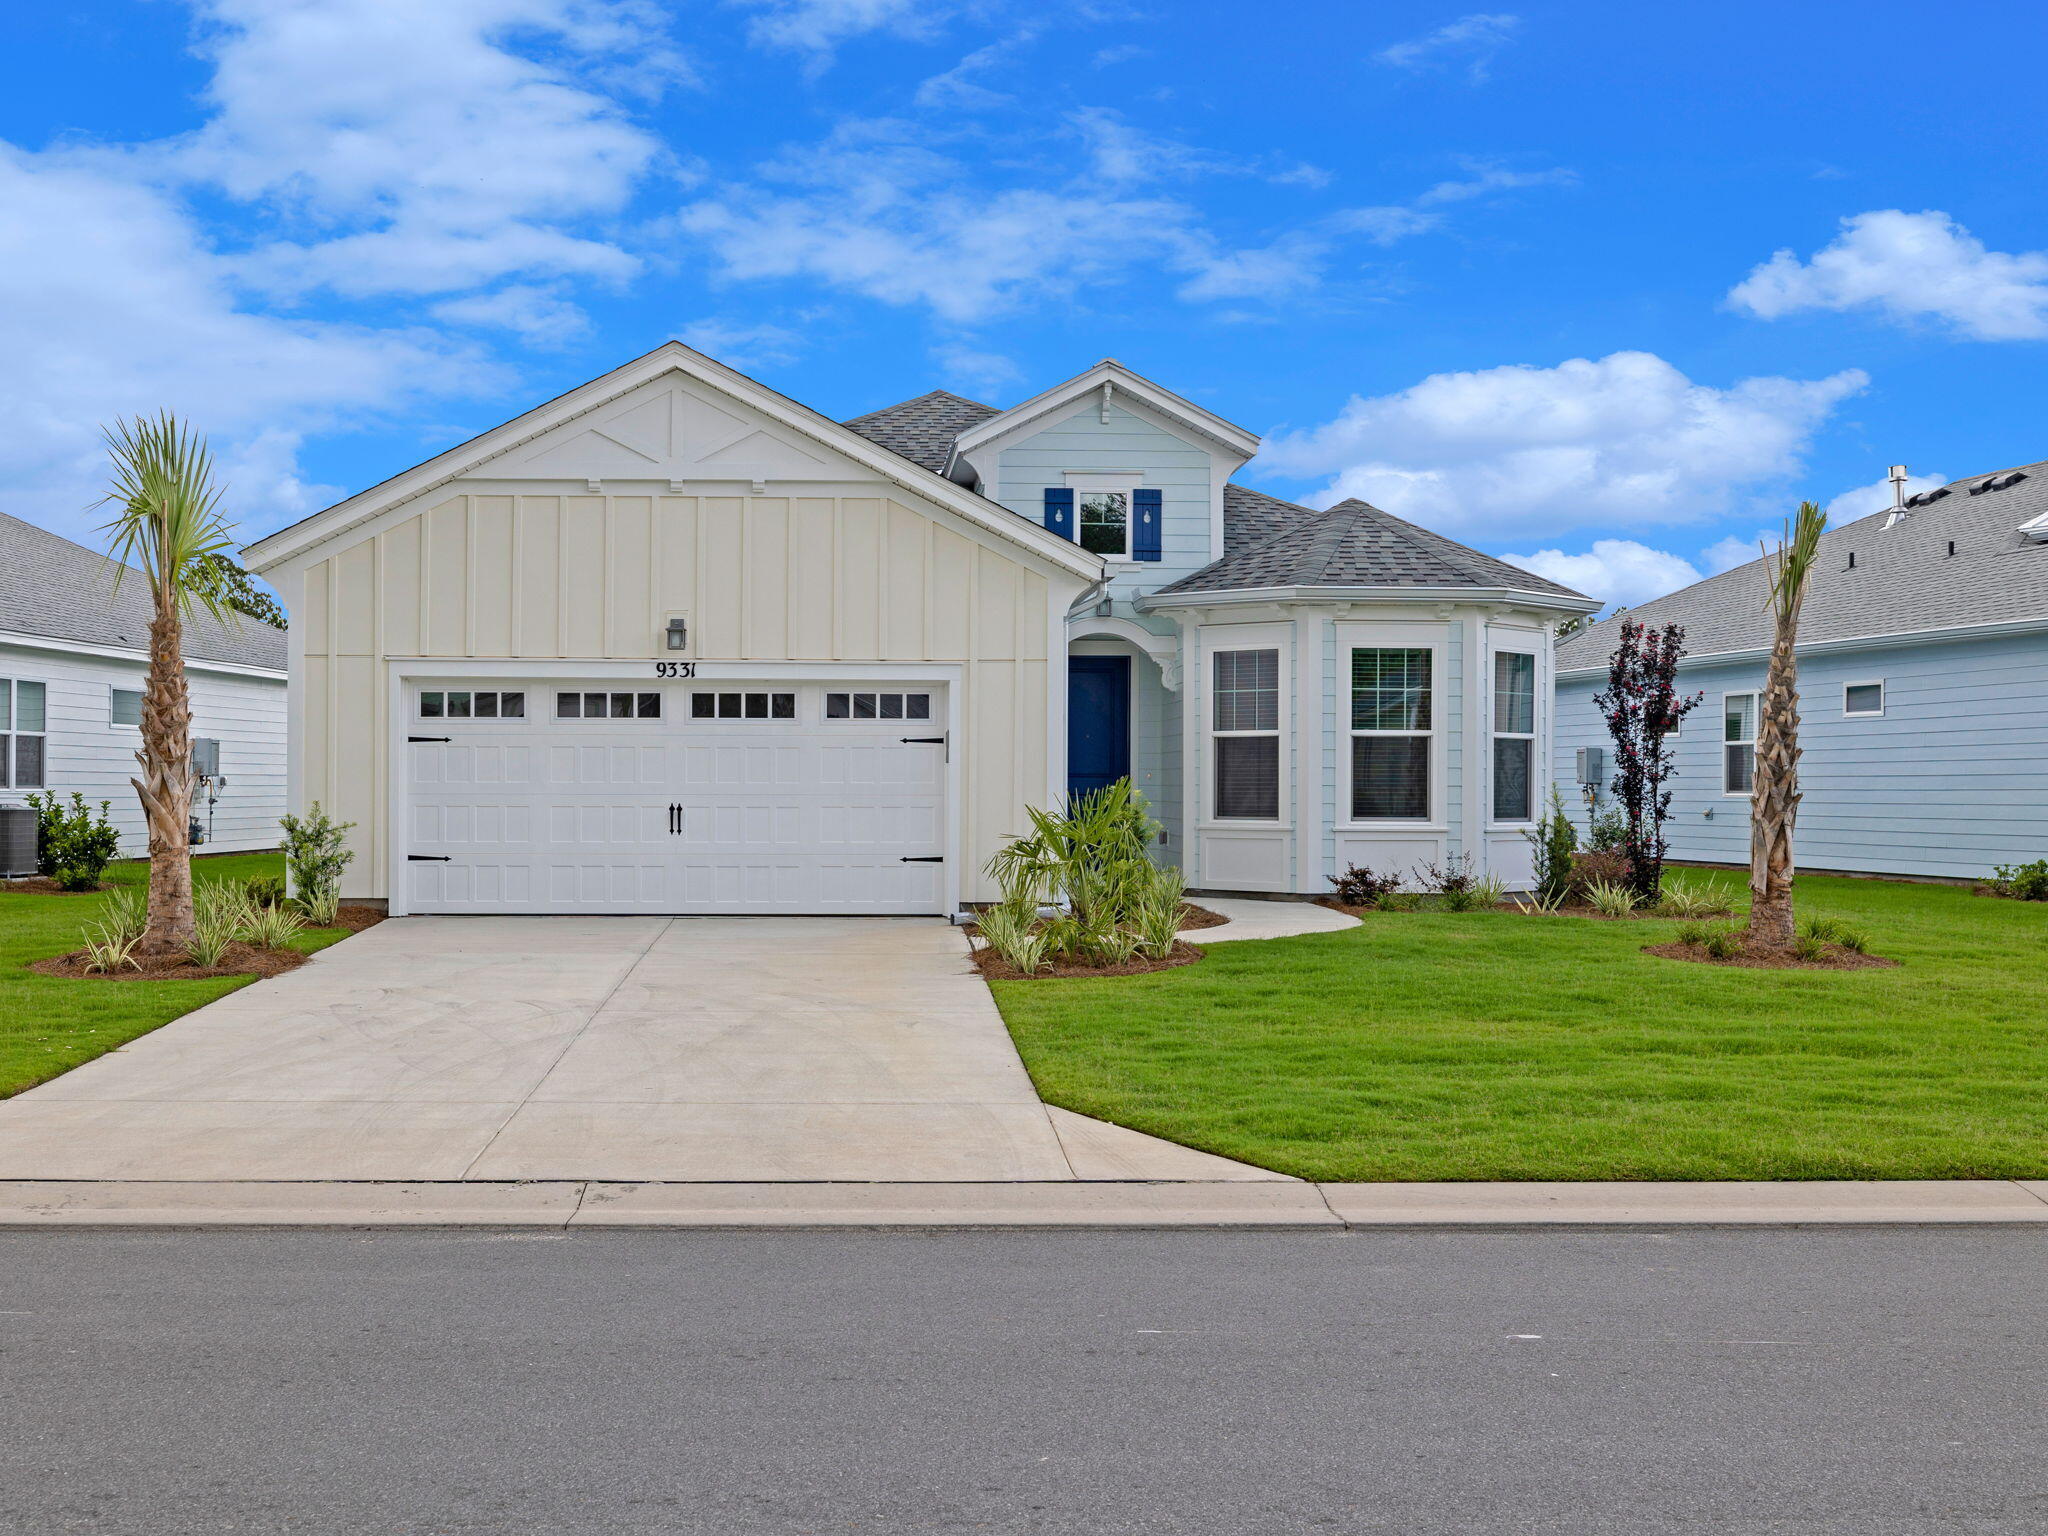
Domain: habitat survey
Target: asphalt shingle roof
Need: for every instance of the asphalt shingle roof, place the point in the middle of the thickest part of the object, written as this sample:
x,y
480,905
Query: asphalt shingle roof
x,y
1355,544
53,588
1904,578
923,430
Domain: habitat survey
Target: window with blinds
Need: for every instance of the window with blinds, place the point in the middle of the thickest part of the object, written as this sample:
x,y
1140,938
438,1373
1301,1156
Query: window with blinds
x,y
1514,735
1393,718
21,734
1738,743
1245,711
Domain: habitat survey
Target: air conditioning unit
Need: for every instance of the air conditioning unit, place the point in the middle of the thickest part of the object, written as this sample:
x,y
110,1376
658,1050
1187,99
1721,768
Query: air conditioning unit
x,y
1592,766
17,841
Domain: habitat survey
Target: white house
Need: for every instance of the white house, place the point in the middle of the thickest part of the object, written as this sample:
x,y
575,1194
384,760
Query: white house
x,y
673,642
73,653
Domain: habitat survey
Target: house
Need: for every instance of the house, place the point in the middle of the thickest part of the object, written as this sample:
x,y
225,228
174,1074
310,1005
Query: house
x,y
1923,684
73,653
674,642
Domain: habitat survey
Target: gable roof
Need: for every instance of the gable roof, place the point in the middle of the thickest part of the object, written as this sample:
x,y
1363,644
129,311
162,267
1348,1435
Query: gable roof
x,y
1113,375
1355,544
1904,578
57,590
671,356
923,430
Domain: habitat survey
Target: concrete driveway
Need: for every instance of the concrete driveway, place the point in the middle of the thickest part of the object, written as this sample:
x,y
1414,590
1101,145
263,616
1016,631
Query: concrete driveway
x,y
632,1049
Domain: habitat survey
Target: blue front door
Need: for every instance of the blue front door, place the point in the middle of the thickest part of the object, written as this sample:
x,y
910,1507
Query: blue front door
x,y
1098,721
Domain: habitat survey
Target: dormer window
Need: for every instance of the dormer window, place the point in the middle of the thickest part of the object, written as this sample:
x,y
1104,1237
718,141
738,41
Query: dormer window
x,y
1105,519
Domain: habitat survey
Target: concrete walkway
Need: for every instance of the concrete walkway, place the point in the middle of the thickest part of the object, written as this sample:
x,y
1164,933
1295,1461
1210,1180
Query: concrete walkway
x,y
618,1049
1252,919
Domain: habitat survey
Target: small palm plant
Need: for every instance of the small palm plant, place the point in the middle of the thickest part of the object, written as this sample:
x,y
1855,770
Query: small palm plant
x,y
167,524
1774,797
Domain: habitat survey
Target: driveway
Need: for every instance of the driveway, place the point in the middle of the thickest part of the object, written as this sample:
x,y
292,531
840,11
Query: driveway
x,y
713,1049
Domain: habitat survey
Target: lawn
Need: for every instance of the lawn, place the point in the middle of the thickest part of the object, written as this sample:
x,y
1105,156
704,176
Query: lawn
x,y
49,1025
1502,1046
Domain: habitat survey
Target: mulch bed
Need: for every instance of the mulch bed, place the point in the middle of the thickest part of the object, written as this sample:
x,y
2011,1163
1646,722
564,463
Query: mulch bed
x,y
43,885
1836,959
1191,918
356,919
238,960
1572,909
995,968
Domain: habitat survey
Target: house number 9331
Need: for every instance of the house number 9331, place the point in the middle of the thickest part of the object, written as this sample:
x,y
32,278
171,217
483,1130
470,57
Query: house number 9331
x,y
675,669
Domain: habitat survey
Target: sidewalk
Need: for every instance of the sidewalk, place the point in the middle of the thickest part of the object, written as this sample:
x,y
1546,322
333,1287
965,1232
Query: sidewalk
x,y
1107,1205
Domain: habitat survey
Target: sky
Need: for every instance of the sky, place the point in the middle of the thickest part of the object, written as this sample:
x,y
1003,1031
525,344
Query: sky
x,y
1605,288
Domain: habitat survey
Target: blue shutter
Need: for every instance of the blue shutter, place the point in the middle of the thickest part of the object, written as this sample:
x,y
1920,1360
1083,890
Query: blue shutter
x,y
1059,510
1146,508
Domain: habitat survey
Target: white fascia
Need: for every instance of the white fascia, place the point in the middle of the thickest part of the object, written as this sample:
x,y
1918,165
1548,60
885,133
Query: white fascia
x,y
1121,380
1946,632
130,653
1248,595
297,541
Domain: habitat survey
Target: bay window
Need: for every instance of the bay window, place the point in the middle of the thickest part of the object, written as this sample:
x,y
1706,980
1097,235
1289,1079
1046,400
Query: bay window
x,y
1514,735
1245,700
1393,718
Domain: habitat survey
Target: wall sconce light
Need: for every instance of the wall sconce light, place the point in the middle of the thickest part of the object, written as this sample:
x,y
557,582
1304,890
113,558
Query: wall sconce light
x,y
678,635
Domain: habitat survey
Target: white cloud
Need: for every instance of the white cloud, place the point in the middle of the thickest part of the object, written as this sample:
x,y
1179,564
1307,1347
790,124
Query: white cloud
x,y
539,316
1875,497
1486,180
818,27
1624,440
741,346
957,90
1287,266
1908,266
1476,38
111,303
1726,554
1613,570
985,373
421,149
1120,53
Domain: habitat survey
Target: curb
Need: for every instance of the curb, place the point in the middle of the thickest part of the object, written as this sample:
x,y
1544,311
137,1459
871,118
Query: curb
x,y
566,1205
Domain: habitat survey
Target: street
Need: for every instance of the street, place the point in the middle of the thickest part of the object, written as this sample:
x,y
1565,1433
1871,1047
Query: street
x,y
1861,1381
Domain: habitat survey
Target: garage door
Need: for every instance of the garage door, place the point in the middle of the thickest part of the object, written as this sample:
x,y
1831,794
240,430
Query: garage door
x,y
748,799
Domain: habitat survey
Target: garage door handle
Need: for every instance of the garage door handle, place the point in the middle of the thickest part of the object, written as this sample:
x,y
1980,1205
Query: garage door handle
x,y
428,858
924,741
430,738
675,817
923,858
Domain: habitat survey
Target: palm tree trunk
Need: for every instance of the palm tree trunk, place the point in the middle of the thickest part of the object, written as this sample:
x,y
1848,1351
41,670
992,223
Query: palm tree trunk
x,y
166,789
1774,797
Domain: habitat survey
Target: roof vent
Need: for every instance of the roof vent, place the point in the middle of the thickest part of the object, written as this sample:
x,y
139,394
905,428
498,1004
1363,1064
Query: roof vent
x,y
2010,478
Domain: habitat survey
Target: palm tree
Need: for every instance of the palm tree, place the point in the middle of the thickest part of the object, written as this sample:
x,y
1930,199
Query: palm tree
x,y
1774,797
168,525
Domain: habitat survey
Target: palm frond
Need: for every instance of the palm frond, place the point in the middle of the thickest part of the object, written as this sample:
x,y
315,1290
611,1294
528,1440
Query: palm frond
x,y
167,521
1791,564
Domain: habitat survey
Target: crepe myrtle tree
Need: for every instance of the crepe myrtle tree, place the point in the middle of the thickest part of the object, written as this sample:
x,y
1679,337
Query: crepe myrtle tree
x,y
1642,706
167,525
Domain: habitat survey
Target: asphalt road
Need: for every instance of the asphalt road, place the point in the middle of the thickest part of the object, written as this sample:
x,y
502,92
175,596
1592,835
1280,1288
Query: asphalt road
x,y
1861,1382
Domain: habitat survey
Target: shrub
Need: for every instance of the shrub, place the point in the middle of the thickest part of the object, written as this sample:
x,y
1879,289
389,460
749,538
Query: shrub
x,y
315,854
1538,901
1359,886
1012,932
125,912
1451,883
271,927
1693,933
1608,830
1602,866
1832,930
265,891
2022,882
1554,840
1723,943
1642,706
107,952
73,847
1157,920
110,943
220,913
1611,899
1808,947
1400,901
1488,891
1682,900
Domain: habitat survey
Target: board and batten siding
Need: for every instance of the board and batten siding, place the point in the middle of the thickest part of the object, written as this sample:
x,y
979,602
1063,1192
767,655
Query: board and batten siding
x,y
87,753
1951,779
842,577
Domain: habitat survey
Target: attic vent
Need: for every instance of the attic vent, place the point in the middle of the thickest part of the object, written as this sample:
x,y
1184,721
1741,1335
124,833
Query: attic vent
x,y
1923,498
2000,482
1852,559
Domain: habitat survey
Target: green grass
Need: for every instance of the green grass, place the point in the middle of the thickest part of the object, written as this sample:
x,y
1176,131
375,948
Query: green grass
x,y
49,1025
1501,1046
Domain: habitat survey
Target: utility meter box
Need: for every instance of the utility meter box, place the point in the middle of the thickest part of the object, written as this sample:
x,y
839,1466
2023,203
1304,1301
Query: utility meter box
x,y
1592,766
206,757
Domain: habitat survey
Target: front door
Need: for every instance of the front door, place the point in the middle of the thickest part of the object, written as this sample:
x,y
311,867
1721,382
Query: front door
x,y
1098,721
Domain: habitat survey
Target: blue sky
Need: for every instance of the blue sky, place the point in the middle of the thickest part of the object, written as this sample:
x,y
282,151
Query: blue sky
x,y
1606,287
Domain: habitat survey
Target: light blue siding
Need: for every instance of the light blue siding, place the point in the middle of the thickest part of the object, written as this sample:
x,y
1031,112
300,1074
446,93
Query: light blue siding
x,y
1083,444
1950,780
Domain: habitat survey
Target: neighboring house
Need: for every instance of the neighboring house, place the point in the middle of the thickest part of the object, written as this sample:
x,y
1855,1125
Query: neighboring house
x,y
675,643
73,654
1923,688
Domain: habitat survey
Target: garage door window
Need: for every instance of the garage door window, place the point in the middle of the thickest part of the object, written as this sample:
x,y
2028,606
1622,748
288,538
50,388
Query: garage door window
x,y
742,706
607,706
878,706
450,704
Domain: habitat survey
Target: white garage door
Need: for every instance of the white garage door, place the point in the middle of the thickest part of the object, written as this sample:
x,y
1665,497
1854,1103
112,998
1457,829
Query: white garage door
x,y
695,799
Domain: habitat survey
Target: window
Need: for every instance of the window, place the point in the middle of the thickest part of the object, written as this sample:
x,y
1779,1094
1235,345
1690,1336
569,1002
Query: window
x,y
1246,708
1393,715
465,704
1106,523
124,707
878,706
742,706
607,706
1863,698
1514,735
1738,743
21,735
